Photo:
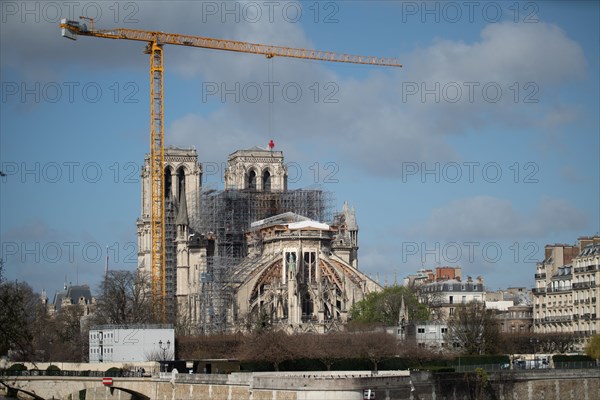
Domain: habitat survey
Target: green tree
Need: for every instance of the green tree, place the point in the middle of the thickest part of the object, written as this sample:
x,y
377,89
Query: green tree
x,y
593,347
384,307
474,329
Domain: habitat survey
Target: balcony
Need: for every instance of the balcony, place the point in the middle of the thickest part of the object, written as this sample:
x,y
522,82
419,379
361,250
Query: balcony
x,y
584,285
540,276
538,290
557,290
558,318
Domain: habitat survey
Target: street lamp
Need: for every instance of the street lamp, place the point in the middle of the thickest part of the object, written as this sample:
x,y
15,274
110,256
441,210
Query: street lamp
x,y
533,342
164,349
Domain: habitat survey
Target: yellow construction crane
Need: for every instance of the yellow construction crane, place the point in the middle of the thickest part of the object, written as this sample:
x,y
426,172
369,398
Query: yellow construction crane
x,y
155,41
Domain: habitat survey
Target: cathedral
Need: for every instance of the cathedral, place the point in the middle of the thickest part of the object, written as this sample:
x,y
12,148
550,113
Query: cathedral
x,y
253,254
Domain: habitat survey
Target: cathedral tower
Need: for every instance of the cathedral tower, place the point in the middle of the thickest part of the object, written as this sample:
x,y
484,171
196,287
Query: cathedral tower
x,y
182,177
256,169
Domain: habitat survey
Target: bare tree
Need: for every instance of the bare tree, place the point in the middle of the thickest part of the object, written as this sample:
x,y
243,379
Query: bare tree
x,y
327,348
19,308
553,342
125,298
159,355
375,346
208,346
474,329
273,347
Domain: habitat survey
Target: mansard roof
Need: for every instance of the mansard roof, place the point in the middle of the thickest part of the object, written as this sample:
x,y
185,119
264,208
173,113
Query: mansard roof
x,y
590,250
563,272
73,293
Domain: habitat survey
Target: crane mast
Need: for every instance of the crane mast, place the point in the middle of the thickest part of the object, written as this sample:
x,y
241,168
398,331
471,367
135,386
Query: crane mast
x,y
157,162
155,41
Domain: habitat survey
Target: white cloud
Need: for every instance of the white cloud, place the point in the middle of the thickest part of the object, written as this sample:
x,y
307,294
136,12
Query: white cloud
x,y
376,125
507,52
483,217
373,125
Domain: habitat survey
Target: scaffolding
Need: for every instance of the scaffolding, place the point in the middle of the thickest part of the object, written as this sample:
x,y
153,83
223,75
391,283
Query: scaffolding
x,y
170,259
224,218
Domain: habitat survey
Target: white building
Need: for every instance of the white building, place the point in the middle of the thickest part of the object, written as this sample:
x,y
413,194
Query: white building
x,y
566,294
131,343
444,296
428,334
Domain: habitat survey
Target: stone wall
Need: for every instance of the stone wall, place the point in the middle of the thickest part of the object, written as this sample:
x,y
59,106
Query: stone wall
x,y
513,385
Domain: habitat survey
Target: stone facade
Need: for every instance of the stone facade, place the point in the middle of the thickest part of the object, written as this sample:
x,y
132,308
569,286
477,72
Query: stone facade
x,y
444,296
256,169
565,293
350,385
221,274
183,176
295,276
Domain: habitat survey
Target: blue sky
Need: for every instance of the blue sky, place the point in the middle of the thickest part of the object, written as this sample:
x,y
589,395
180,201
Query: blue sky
x,y
477,153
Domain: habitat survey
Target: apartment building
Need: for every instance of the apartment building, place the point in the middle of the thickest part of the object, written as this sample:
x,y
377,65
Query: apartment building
x,y
565,293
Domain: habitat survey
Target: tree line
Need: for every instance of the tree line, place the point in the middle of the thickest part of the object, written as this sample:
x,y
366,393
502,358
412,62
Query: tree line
x,y
29,333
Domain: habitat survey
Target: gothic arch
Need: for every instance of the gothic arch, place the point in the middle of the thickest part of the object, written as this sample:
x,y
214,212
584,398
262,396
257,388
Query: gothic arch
x,y
168,181
266,180
181,177
251,178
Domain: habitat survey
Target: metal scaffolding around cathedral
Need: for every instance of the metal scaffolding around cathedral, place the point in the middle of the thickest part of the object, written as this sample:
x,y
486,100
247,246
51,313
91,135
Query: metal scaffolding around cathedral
x,y
228,250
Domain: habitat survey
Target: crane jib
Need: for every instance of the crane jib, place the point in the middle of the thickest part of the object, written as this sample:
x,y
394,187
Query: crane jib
x,y
71,29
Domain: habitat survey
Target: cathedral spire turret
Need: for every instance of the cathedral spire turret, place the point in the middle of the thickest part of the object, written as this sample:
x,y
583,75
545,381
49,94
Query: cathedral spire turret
x,y
182,213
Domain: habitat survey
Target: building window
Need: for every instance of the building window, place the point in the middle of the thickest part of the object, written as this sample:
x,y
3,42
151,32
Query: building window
x,y
444,330
252,180
267,181
451,310
421,330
